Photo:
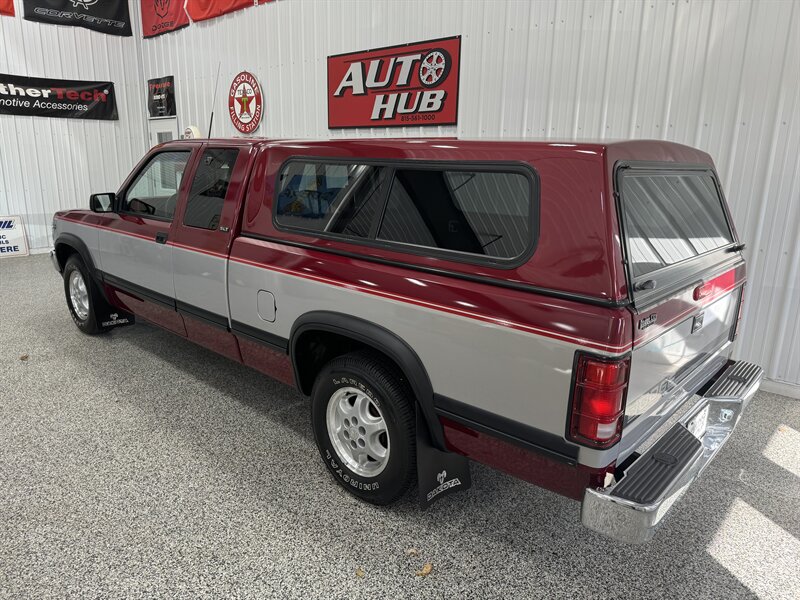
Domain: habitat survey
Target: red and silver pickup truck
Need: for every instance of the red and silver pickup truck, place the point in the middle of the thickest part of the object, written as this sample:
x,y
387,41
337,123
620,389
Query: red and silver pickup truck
x,y
563,312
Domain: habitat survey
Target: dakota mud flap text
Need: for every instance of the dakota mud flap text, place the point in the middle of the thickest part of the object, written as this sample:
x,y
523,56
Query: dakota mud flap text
x,y
113,317
439,473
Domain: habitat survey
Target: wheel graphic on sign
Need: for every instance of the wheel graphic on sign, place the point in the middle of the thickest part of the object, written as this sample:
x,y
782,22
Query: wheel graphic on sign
x,y
434,68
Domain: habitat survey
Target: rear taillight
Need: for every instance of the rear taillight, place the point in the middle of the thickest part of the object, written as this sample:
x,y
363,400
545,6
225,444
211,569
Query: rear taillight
x,y
598,400
715,286
739,313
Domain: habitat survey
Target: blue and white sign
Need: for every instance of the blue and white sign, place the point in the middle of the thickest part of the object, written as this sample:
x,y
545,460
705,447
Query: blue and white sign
x,y
12,237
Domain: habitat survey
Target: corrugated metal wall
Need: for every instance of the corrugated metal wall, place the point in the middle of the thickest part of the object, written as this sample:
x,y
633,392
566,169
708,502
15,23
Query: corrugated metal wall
x,y
723,76
50,164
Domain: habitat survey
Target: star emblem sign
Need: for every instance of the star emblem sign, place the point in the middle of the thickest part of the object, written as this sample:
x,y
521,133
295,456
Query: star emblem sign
x,y
244,101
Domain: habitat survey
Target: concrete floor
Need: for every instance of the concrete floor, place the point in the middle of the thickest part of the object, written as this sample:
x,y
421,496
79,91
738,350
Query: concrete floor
x,y
137,464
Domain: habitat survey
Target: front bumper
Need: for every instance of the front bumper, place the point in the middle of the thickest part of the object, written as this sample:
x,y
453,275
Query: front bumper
x,y
54,260
631,509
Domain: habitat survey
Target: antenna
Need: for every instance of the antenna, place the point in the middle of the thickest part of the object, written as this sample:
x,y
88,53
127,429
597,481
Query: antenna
x,y
214,101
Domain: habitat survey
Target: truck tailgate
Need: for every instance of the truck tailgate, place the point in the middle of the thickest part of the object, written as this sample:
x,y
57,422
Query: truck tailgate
x,y
671,360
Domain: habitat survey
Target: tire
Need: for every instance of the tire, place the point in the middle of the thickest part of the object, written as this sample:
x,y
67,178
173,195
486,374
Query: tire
x,y
428,61
84,310
374,390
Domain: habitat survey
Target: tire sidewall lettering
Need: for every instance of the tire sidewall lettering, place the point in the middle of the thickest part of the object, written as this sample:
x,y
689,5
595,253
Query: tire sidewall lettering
x,y
345,381
348,478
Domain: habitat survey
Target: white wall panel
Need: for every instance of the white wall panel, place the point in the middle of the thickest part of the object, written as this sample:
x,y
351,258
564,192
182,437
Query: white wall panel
x,y
721,75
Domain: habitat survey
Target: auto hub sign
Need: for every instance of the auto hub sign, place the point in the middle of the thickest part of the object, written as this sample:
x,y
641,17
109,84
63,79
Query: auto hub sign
x,y
412,84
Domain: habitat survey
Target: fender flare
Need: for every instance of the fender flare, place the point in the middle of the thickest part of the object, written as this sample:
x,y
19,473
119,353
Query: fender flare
x,y
385,341
73,241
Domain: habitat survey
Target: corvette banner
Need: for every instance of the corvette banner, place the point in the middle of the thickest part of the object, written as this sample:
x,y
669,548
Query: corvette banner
x,y
7,8
201,10
39,97
409,85
105,16
162,16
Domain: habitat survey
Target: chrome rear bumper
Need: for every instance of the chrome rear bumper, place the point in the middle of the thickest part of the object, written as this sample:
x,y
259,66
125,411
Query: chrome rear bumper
x,y
631,509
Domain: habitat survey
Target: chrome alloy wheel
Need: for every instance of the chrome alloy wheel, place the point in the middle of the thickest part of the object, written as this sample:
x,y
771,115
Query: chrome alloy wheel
x,y
358,431
79,295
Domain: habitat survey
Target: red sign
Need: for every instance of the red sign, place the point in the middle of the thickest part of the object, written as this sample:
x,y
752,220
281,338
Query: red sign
x,y
7,7
200,10
162,16
245,103
412,84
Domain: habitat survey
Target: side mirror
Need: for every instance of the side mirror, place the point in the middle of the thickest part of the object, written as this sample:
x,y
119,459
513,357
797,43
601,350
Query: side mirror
x,y
102,203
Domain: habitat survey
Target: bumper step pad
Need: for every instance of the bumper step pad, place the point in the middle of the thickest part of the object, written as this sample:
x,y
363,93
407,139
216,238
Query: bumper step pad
x,y
651,474
735,380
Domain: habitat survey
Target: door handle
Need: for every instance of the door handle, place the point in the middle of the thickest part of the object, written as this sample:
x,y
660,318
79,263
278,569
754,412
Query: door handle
x,y
161,237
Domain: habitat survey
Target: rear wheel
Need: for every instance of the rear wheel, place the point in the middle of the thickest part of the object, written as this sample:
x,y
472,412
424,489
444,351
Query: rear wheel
x,y
83,299
363,420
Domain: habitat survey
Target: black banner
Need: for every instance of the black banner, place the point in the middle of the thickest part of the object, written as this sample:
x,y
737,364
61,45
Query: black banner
x,y
161,97
38,97
106,16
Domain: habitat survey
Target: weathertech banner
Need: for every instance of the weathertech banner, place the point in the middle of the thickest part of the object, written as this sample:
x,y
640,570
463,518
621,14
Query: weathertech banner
x,y
105,16
162,16
37,97
396,86
200,10
7,8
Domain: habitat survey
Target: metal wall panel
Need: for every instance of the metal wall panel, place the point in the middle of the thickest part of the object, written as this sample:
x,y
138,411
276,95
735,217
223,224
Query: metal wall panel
x,y
720,75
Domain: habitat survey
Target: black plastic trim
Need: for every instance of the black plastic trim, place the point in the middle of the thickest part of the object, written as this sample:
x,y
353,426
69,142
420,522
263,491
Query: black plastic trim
x,y
524,287
262,337
518,167
202,314
138,290
525,436
383,340
77,244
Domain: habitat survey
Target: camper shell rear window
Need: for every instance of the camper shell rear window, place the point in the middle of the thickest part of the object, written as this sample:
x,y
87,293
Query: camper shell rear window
x,y
670,216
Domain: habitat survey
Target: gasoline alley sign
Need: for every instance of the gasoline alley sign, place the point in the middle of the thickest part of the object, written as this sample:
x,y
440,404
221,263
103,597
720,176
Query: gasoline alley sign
x,y
38,97
397,86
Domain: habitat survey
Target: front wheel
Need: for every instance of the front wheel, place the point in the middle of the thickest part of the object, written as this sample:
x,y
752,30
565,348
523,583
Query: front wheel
x,y
83,299
363,419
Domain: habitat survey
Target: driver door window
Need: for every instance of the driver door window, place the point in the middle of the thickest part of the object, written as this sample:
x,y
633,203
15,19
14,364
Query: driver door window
x,y
154,193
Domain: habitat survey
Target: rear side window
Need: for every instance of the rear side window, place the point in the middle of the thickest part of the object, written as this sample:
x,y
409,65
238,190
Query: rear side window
x,y
210,188
671,217
333,198
483,213
480,213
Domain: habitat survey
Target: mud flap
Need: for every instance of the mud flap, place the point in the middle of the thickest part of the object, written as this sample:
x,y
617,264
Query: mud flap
x,y
439,473
113,317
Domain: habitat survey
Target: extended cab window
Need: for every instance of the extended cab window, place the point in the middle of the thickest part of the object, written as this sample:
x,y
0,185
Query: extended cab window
x,y
483,213
670,217
335,198
210,188
154,193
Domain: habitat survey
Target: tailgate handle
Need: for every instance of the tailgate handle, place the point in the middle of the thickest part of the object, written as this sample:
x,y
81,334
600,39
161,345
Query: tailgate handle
x,y
161,237
650,284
